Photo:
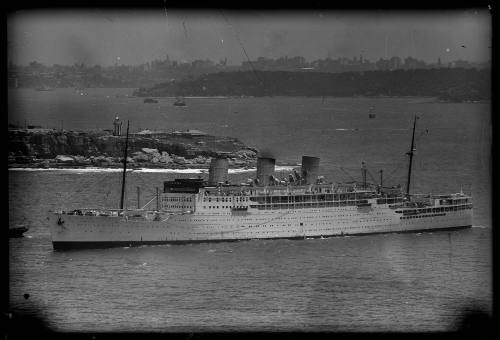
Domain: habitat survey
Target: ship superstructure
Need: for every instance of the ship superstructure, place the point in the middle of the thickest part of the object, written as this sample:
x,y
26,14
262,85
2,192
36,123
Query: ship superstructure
x,y
300,206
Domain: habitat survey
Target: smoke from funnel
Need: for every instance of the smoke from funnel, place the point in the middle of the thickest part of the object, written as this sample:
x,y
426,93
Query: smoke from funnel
x,y
266,153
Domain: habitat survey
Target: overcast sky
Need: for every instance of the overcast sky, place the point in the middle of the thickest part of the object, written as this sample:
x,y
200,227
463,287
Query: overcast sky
x,y
137,36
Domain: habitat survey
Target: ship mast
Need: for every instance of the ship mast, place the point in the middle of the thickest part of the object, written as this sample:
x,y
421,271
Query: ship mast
x,y
124,169
410,153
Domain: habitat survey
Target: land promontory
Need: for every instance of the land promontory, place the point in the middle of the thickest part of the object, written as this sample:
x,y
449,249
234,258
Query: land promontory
x,y
447,84
47,148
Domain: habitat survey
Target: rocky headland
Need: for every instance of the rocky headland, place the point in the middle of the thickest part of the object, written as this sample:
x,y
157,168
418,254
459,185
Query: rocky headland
x,y
46,148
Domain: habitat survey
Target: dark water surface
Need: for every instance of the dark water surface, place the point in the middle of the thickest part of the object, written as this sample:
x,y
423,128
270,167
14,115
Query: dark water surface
x,y
396,282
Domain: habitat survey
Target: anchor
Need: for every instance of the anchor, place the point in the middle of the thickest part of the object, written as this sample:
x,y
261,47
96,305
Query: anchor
x,y
60,221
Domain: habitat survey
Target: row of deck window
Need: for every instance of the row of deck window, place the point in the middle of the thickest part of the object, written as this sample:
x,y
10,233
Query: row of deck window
x,y
225,199
177,199
434,210
217,207
302,198
307,198
420,216
306,205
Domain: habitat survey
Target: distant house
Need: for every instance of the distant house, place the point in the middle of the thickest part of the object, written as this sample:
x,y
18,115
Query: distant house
x,y
150,134
163,134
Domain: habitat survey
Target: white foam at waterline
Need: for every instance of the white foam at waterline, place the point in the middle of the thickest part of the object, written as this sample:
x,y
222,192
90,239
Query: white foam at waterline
x,y
90,170
480,226
176,171
70,169
189,171
285,167
147,170
197,171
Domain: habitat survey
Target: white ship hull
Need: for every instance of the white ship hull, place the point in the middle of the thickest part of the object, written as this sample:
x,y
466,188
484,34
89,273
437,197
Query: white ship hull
x,y
299,206
77,231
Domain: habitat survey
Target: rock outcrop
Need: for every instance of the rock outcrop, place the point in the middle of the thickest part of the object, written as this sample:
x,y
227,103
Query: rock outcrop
x,y
45,148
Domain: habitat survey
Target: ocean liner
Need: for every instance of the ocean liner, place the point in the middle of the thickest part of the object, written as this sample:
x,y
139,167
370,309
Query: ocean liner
x,y
301,206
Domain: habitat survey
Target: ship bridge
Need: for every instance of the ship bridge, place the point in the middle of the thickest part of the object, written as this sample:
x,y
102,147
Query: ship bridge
x,y
180,194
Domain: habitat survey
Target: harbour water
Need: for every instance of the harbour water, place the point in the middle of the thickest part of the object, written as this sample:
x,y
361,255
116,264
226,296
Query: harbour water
x,y
394,282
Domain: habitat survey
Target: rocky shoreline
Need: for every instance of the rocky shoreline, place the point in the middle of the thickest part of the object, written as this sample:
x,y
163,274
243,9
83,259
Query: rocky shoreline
x,y
138,161
45,148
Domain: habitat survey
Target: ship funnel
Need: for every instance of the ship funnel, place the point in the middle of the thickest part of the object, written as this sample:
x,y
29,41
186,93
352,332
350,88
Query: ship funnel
x,y
310,169
265,170
218,171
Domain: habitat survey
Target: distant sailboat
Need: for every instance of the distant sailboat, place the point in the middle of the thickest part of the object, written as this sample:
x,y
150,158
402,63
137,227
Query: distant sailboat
x,y
17,231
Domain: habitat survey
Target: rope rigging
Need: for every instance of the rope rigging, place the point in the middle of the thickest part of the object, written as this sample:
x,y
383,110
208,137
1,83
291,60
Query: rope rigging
x,y
370,174
344,171
143,185
389,177
87,186
261,82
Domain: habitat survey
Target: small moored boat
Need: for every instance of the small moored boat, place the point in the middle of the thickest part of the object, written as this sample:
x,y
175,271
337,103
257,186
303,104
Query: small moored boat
x,y
17,231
